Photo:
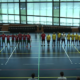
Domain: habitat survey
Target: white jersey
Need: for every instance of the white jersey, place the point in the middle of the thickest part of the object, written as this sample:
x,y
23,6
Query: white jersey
x,y
32,79
63,36
62,78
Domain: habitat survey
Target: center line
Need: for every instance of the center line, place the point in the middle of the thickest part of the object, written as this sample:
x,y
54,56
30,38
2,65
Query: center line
x,y
67,55
11,54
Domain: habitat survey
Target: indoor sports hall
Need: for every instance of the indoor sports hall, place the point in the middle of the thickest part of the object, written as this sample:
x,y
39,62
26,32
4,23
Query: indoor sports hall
x,y
46,39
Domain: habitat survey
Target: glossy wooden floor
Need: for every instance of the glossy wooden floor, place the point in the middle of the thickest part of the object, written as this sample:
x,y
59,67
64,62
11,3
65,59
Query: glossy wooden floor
x,y
18,62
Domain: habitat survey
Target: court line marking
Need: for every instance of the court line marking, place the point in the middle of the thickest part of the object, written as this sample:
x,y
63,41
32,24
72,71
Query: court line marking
x,y
76,48
40,64
41,53
39,59
34,57
11,54
2,49
35,77
67,55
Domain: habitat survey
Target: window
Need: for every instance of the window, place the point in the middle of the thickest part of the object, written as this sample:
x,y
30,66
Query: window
x,y
56,21
22,0
4,8
48,21
56,9
75,22
17,20
30,20
62,21
16,8
69,22
63,9
69,9
76,10
5,18
43,20
30,9
10,8
23,8
10,0
36,20
11,18
23,19
49,9
36,8
43,9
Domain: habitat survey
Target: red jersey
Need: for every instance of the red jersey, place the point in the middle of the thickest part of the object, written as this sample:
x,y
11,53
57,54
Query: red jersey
x,y
13,36
24,37
16,37
28,37
20,36
43,36
3,36
8,37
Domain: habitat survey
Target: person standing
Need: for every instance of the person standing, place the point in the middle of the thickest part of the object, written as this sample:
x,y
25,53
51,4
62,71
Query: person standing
x,y
48,39
3,38
16,38
13,36
54,38
63,38
72,36
68,38
62,76
28,39
8,40
76,39
24,38
43,38
33,77
79,39
20,37
58,38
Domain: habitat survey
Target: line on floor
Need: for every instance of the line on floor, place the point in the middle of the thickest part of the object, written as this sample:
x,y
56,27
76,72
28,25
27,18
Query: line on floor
x,y
40,64
35,57
2,49
76,48
37,53
67,55
11,54
34,69
35,77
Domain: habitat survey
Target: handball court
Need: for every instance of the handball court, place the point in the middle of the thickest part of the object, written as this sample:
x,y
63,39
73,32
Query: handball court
x,y
18,62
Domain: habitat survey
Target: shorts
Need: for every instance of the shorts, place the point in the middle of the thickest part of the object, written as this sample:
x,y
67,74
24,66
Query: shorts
x,y
43,39
3,40
8,41
12,40
24,40
28,41
53,40
16,40
72,40
48,41
58,39
68,40
63,40
76,40
20,40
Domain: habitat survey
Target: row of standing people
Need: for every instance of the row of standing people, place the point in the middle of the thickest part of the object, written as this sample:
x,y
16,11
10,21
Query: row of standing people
x,y
61,37
43,35
17,38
